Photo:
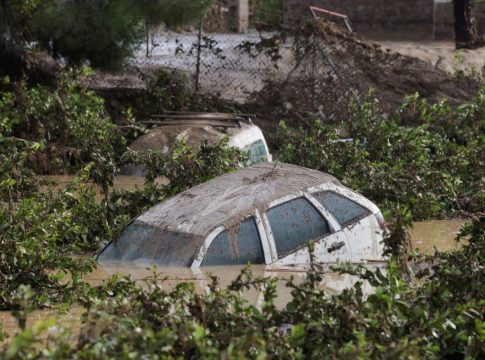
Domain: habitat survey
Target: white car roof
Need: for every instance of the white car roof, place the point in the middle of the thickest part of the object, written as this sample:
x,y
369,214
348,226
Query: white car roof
x,y
228,199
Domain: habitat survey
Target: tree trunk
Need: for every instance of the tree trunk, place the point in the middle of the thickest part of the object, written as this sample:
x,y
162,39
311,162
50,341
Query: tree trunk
x,y
466,26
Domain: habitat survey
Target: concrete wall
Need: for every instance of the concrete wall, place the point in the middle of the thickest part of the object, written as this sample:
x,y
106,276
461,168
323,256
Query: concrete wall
x,y
239,15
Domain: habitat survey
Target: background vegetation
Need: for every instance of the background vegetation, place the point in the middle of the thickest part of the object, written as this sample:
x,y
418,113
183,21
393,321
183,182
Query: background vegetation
x,y
434,167
101,33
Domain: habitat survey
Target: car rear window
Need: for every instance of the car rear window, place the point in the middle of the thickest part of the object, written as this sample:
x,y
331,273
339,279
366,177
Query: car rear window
x,y
141,241
294,223
258,152
236,246
343,209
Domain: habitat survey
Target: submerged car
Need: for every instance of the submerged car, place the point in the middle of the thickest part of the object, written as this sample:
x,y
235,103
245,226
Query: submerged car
x,y
195,127
263,214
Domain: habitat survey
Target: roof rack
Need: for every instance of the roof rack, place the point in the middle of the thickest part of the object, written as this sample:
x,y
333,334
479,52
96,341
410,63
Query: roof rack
x,y
200,118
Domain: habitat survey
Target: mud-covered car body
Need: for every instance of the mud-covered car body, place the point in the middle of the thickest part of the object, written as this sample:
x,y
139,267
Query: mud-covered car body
x,y
195,127
263,214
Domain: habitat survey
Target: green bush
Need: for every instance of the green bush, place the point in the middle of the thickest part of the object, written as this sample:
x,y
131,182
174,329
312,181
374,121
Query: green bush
x,y
434,168
41,231
69,121
31,239
439,316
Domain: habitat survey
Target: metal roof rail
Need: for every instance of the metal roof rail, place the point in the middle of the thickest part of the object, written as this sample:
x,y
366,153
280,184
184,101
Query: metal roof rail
x,y
199,118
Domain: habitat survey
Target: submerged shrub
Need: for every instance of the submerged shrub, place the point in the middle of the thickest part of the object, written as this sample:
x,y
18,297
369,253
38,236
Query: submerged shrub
x,y
432,168
439,316
31,239
183,168
69,120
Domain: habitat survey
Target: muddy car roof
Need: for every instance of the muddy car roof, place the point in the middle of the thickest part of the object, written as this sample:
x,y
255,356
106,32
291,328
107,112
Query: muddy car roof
x,y
229,198
193,127
163,138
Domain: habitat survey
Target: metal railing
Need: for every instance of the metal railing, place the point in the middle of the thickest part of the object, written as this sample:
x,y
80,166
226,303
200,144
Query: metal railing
x,y
316,10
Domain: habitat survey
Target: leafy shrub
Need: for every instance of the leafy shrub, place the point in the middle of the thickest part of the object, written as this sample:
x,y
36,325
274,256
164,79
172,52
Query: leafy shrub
x,y
433,168
439,316
31,239
15,177
70,122
40,231
181,169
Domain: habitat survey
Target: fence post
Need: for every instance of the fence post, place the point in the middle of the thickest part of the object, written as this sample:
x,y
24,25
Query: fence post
x,y
314,73
197,65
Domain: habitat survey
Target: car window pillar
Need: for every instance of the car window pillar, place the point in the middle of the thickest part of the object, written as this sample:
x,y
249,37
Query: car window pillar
x,y
269,249
270,238
332,222
199,257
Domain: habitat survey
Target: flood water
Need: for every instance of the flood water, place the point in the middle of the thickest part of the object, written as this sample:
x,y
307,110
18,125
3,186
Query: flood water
x,y
439,234
120,182
426,236
333,283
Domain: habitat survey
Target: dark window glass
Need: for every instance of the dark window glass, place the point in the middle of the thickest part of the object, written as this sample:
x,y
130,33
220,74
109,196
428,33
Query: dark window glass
x,y
258,152
344,210
294,223
249,243
141,241
236,246
220,251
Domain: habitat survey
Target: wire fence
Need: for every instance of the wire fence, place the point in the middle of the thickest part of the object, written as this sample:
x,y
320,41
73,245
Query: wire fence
x,y
299,71
220,64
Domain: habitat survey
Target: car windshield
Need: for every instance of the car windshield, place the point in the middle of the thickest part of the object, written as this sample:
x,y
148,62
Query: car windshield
x,y
145,242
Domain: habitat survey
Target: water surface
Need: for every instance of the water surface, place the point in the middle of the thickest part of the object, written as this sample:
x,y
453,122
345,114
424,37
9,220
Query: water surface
x,y
426,236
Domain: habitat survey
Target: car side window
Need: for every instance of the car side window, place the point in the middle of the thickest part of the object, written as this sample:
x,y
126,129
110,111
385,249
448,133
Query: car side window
x,y
258,152
294,223
236,246
345,210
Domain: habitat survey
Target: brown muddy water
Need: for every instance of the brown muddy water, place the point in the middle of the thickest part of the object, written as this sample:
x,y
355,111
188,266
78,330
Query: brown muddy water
x,y
120,182
168,278
425,237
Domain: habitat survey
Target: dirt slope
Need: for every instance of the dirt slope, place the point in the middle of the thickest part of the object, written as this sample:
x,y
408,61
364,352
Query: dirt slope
x,y
335,66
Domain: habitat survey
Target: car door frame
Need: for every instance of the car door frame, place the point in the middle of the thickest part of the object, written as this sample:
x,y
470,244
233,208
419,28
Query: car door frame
x,y
375,231
264,228
201,253
334,225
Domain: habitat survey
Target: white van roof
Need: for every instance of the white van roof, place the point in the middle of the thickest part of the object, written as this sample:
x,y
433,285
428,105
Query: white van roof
x,y
193,127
